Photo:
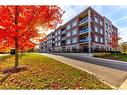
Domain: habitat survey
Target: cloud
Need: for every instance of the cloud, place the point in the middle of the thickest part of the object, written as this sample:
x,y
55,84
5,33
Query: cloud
x,y
123,33
118,20
99,9
71,11
116,10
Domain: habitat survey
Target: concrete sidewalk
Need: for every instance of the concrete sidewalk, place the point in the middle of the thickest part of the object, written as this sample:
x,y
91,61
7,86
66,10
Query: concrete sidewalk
x,y
4,54
111,76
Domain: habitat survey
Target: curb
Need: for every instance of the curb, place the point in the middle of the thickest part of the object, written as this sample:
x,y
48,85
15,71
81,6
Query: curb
x,y
123,85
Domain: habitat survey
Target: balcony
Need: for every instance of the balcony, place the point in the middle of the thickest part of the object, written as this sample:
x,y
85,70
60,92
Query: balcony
x,y
84,20
83,31
84,40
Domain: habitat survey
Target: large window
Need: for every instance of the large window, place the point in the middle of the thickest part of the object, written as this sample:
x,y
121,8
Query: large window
x,y
96,19
74,40
101,40
74,32
55,44
58,43
68,27
68,41
110,34
106,33
101,31
59,38
101,23
56,33
106,25
96,29
96,39
59,31
56,39
74,23
107,41
68,34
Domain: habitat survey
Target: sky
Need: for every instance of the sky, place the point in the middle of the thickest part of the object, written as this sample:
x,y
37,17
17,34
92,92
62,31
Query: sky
x,y
116,14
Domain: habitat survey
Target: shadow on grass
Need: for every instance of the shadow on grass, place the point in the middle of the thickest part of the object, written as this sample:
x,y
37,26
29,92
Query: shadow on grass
x,y
14,70
9,71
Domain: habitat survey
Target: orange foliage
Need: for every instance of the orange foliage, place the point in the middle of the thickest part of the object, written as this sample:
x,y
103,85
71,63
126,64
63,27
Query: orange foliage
x,y
28,18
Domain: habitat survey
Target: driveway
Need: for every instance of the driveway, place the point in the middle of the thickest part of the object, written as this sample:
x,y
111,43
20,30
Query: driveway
x,y
109,71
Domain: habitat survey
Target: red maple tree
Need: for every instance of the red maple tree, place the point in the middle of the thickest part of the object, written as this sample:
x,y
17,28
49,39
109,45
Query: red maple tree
x,y
18,25
114,42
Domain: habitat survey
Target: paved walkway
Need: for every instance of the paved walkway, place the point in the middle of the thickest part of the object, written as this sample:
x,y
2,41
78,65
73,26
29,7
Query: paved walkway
x,y
4,54
112,76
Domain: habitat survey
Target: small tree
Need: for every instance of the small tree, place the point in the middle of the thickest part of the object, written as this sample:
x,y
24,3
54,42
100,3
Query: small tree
x,y
124,47
18,23
114,42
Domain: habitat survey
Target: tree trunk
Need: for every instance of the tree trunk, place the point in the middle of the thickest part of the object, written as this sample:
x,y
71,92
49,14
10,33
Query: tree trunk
x,y
16,53
16,39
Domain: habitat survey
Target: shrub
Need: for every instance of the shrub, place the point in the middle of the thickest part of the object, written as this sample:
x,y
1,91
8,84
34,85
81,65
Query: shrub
x,y
101,54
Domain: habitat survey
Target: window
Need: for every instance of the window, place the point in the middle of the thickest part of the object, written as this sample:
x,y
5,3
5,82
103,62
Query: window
x,y
55,39
68,34
101,31
55,44
74,32
58,43
68,27
74,23
101,23
56,33
59,38
107,41
106,26
59,32
101,40
96,29
96,39
107,33
96,19
109,27
68,41
110,34
74,40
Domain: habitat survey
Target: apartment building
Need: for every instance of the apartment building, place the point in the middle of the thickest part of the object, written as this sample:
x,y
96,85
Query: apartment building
x,y
87,32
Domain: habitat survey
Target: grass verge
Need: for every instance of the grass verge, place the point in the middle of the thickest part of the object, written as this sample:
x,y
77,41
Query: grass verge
x,y
117,56
45,73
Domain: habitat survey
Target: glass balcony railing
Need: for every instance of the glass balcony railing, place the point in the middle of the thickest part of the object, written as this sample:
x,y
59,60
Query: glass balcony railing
x,y
85,30
84,40
84,20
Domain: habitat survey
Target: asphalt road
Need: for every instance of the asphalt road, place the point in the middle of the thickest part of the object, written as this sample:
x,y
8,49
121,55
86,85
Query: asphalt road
x,y
99,61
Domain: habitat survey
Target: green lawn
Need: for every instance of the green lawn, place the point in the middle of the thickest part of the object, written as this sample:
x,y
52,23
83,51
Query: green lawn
x,y
117,56
45,73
